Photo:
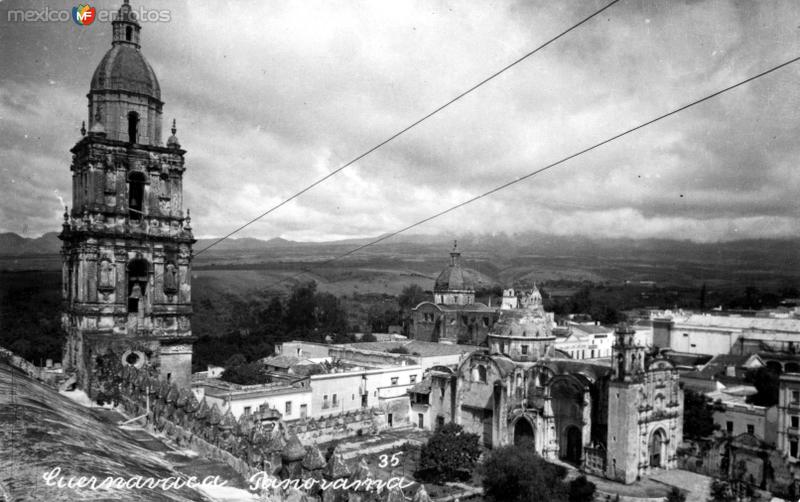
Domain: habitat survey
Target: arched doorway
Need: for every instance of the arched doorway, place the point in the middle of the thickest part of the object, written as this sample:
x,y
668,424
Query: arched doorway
x,y
657,448
574,444
523,432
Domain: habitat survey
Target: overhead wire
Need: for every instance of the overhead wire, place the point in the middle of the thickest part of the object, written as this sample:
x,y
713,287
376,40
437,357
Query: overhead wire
x,y
409,127
541,169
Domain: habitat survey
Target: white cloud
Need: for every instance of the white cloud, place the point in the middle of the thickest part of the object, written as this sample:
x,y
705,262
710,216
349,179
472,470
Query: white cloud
x,y
269,97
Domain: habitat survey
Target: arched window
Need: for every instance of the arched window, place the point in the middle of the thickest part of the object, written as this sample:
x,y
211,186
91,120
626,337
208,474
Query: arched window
x,y
136,184
128,33
133,126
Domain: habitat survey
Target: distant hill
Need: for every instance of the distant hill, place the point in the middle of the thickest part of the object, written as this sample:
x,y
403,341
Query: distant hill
x,y
499,259
12,244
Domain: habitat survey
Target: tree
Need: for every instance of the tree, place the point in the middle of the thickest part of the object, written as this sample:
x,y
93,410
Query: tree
x,y
698,414
517,474
300,318
721,492
246,374
581,489
676,495
449,455
767,382
411,296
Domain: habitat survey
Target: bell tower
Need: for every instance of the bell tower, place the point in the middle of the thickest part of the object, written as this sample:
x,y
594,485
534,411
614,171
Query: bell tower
x,y
127,243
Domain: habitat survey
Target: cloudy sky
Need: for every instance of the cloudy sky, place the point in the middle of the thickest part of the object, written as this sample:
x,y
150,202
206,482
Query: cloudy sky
x,y
270,96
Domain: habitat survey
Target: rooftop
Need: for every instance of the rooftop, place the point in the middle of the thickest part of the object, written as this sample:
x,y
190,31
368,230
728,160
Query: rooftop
x,y
740,323
416,347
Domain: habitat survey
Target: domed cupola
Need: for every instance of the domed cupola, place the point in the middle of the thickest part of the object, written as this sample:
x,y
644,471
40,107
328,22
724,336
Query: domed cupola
x,y
124,94
454,286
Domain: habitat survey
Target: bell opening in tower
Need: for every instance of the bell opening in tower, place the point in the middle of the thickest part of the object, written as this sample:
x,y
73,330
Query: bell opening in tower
x,y
128,33
137,283
133,125
136,183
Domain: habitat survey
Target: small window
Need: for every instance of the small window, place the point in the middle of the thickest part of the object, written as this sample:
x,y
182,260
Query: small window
x,y
128,33
796,396
247,411
793,448
288,407
133,127
751,429
524,349
795,422
729,427
335,400
394,380
325,403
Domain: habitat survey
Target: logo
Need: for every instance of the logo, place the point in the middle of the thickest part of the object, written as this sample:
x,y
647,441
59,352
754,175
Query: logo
x,y
83,15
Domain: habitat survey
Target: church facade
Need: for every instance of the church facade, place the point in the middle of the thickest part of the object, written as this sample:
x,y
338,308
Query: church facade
x,y
127,243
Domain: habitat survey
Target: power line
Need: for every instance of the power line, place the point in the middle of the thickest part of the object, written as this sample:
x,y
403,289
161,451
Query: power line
x,y
543,169
407,128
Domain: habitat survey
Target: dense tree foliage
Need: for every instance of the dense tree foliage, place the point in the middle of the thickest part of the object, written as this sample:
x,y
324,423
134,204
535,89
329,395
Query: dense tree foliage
x,y
257,326
449,455
581,490
238,370
698,415
30,315
517,474
676,495
766,382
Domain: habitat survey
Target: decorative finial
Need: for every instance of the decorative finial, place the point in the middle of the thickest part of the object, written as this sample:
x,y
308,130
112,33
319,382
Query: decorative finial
x,y
66,214
83,128
455,245
174,128
187,224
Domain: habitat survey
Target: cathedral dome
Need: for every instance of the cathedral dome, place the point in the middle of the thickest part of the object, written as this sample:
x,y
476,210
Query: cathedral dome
x,y
124,68
454,277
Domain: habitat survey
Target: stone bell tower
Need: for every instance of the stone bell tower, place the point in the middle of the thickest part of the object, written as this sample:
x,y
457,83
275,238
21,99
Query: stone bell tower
x,y
127,245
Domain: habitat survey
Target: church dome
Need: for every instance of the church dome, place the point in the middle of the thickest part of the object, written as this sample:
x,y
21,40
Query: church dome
x,y
124,68
454,277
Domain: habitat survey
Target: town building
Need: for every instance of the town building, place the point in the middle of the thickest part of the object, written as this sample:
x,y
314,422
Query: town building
x,y
127,242
734,416
726,334
585,341
453,316
789,418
